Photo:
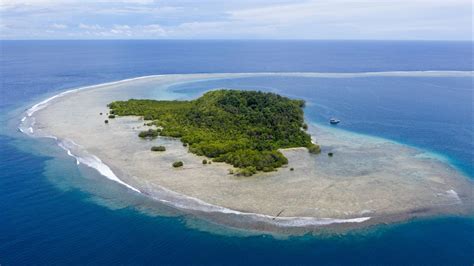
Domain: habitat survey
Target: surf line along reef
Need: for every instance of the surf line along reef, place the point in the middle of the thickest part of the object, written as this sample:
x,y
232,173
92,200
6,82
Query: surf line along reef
x,y
367,181
243,128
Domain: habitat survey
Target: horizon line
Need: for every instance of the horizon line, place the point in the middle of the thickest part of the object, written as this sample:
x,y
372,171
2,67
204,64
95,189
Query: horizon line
x,y
244,39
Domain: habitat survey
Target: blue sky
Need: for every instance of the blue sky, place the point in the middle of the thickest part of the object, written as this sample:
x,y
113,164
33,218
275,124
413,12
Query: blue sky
x,y
242,19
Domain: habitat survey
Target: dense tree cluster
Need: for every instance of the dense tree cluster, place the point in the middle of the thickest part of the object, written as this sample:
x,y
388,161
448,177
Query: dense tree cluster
x,y
150,133
242,128
177,164
158,148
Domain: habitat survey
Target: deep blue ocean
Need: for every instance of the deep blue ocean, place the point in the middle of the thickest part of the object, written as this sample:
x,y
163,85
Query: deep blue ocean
x,y
53,213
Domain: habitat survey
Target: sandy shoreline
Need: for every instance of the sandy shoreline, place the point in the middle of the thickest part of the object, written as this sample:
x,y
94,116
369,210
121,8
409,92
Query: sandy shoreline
x,y
368,181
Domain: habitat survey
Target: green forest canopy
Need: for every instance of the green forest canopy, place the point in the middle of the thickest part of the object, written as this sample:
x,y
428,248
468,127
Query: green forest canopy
x,y
242,128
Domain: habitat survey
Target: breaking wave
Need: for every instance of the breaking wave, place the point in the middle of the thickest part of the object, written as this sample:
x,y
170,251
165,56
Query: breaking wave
x,y
184,202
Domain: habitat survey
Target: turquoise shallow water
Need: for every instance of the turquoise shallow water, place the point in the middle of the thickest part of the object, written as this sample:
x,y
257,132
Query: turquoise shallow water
x,y
433,113
54,213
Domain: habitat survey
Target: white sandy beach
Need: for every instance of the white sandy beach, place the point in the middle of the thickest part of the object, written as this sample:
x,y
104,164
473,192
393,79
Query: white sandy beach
x,y
368,180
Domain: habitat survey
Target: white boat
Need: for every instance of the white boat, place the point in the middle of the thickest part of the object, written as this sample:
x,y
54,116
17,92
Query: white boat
x,y
334,121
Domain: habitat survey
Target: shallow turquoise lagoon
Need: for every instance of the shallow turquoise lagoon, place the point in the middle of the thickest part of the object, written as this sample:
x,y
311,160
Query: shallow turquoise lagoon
x,y
55,213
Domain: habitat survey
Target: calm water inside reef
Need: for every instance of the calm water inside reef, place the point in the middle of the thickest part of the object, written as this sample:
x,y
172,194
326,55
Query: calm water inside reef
x,y
52,212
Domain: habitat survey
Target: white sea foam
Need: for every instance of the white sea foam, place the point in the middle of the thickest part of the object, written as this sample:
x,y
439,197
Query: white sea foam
x,y
279,221
453,194
191,203
184,202
434,73
44,103
93,162
437,73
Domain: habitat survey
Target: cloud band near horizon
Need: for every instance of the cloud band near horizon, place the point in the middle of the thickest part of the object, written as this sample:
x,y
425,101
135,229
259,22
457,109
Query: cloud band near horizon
x,y
244,19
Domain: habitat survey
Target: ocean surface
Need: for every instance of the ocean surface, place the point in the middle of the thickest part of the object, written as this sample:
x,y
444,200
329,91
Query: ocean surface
x,y
51,212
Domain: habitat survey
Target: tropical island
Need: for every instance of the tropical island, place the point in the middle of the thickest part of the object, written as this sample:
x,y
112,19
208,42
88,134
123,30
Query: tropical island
x,y
243,128
184,150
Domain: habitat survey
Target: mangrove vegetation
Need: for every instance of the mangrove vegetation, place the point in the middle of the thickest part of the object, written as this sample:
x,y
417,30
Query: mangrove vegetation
x,y
158,148
242,128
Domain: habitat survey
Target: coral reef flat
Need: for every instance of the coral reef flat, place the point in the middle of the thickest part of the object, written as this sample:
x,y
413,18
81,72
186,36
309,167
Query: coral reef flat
x,y
367,180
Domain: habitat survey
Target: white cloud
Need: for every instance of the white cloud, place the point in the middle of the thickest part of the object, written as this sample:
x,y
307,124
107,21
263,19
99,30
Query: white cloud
x,y
286,19
154,29
59,26
141,2
120,31
90,27
341,9
353,19
122,27
59,2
